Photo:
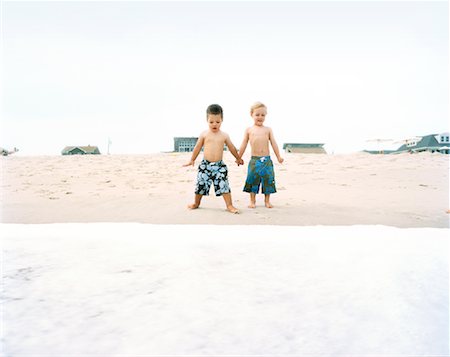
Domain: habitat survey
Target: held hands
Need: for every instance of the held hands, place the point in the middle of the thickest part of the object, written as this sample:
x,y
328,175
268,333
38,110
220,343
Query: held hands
x,y
239,162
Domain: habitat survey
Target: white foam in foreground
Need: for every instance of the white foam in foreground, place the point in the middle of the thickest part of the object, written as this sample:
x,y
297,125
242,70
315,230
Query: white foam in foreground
x,y
143,290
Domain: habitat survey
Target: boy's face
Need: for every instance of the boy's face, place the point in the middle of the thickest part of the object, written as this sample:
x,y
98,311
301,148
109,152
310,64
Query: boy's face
x,y
259,115
214,122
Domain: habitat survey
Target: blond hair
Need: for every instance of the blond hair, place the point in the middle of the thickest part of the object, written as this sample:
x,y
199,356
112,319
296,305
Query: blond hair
x,y
257,105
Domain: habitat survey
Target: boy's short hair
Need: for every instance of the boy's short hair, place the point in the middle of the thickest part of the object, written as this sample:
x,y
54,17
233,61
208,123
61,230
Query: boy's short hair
x,y
257,105
214,109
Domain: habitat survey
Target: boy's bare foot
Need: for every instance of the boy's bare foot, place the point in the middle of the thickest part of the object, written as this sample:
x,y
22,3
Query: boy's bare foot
x,y
268,205
232,209
252,205
193,206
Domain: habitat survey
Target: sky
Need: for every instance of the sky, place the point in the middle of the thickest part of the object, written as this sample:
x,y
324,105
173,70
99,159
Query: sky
x,y
141,73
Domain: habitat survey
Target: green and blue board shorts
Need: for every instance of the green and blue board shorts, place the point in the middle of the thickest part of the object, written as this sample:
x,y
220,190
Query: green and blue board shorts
x,y
260,173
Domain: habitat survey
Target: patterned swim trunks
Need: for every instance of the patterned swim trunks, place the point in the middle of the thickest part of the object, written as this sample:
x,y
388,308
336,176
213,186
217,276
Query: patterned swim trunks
x,y
212,173
260,171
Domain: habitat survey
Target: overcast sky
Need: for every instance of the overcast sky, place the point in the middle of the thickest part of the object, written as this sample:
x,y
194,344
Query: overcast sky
x,y
140,73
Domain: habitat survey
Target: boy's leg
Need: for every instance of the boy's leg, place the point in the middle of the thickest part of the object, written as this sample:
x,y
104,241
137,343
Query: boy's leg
x,y
268,183
197,200
252,200
229,203
267,201
252,181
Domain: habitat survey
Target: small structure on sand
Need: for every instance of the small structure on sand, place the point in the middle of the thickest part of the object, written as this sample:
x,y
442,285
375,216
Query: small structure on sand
x,y
184,144
80,150
304,148
4,152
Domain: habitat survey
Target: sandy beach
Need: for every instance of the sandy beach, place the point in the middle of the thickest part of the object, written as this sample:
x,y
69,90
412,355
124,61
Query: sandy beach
x,y
102,257
394,190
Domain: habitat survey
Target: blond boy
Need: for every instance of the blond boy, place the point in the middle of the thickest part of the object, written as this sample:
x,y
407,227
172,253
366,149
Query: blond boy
x,y
212,170
260,167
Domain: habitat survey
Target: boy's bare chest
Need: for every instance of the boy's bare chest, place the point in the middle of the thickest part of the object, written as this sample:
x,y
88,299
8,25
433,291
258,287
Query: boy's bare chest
x,y
258,134
214,139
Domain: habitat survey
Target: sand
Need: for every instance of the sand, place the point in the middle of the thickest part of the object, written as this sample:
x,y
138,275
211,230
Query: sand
x,y
395,190
101,257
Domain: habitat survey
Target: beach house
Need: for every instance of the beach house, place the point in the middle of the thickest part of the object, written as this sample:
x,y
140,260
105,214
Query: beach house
x,y
184,144
80,150
304,148
431,143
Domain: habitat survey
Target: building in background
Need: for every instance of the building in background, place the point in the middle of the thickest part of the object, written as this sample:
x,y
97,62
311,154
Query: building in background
x,y
304,148
432,143
184,144
80,150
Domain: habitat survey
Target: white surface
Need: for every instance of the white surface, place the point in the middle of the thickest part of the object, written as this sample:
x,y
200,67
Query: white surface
x,y
144,290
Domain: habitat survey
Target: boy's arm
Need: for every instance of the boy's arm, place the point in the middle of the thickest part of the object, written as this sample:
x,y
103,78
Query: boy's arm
x,y
274,144
244,144
233,150
197,148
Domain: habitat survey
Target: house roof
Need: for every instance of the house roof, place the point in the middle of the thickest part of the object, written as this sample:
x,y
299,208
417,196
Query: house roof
x,y
427,141
185,137
87,149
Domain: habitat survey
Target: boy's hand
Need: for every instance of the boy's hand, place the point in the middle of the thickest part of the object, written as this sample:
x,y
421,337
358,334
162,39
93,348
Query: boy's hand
x,y
280,160
239,162
190,163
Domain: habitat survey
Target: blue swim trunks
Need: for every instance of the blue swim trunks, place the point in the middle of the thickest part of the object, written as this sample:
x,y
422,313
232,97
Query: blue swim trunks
x,y
212,173
260,172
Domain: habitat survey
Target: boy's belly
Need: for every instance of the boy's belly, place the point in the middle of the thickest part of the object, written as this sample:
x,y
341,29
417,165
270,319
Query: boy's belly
x,y
260,146
260,152
213,156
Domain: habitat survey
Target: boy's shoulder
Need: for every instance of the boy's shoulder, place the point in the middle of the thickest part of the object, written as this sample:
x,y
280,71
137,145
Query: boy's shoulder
x,y
224,134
